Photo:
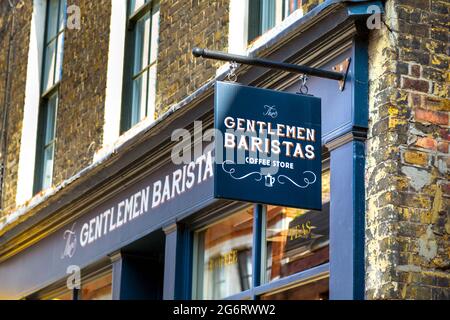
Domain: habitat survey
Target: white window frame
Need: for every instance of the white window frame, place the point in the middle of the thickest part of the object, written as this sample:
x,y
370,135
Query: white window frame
x,y
27,155
114,77
112,136
238,28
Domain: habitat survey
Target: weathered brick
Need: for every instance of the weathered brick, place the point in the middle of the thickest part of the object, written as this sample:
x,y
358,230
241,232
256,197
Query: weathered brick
x,y
416,85
440,118
439,33
415,70
439,61
415,100
437,104
419,30
416,157
443,147
402,68
421,4
445,134
416,56
440,7
446,188
427,143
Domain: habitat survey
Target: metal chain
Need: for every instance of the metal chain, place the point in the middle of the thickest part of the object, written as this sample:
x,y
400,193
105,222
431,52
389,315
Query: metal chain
x,y
231,76
303,87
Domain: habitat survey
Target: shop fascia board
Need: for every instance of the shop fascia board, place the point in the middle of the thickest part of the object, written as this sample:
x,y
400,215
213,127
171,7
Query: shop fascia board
x,y
125,162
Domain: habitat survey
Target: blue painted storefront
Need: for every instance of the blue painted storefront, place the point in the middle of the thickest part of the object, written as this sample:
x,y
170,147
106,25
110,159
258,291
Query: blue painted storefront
x,y
344,125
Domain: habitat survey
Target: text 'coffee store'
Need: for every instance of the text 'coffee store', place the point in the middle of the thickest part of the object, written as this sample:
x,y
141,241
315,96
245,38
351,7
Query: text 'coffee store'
x,y
248,189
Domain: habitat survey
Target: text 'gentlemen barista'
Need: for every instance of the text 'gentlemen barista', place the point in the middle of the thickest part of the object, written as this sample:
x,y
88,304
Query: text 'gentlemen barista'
x,y
149,197
271,139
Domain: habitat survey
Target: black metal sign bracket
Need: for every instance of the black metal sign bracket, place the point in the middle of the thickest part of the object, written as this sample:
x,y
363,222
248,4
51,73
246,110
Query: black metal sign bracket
x,y
339,74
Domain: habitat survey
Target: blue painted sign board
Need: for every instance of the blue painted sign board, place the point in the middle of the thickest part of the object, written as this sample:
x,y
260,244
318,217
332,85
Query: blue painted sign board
x,y
267,146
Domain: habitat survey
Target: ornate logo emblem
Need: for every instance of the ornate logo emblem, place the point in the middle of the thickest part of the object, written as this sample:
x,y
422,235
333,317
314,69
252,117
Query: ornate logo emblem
x,y
270,111
71,243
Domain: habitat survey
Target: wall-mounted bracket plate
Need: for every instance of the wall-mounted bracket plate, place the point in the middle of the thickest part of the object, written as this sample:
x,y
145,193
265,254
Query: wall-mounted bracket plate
x,y
343,67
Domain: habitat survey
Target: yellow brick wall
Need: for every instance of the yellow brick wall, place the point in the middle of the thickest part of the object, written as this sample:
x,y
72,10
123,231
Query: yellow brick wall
x,y
407,180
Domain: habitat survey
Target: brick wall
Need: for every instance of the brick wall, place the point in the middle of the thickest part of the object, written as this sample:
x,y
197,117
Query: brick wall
x,y
186,24
79,128
408,190
308,5
15,95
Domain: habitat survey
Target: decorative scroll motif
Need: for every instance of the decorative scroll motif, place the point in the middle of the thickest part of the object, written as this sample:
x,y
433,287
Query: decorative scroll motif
x,y
305,180
269,180
232,171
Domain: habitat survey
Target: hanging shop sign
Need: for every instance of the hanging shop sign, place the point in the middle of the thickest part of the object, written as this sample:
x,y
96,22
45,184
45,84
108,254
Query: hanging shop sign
x,y
267,146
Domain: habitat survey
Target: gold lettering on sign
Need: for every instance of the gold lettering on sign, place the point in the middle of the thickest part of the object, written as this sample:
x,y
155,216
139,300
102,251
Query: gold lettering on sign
x,y
221,261
301,231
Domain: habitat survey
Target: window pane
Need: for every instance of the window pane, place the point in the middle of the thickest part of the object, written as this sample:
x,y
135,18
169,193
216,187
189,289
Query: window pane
x,y
135,5
155,34
142,44
50,120
139,103
224,251
62,15
140,94
267,15
297,239
316,290
52,19
290,6
47,167
59,58
98,289
49,65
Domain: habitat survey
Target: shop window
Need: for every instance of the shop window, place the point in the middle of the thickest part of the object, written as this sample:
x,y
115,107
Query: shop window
x,y
224,257
59,294
65,296
140,62
265,14
94,286
51,76
293,259
97,288
314,290
296,239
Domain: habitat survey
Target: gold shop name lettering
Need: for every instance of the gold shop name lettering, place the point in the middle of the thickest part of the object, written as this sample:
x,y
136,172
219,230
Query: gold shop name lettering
x,y
226,259
301,231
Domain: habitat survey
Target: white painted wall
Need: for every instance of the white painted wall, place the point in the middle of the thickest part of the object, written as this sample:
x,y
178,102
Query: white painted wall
x,y
116,56
31,107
